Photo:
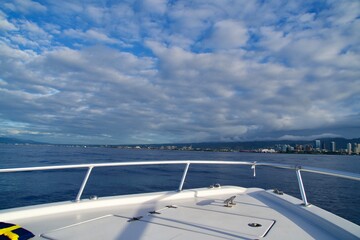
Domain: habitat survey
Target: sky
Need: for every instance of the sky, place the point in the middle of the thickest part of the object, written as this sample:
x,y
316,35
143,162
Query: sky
x,y
156,71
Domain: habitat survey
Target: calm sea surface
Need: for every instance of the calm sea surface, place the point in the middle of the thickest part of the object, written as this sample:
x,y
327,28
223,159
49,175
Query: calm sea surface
x,y
336,195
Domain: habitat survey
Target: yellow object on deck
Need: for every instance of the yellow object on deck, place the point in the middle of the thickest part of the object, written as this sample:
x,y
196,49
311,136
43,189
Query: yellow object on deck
x,y
14,232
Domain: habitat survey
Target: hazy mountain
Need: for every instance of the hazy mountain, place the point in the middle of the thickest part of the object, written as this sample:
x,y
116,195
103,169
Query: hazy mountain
x,y
7,140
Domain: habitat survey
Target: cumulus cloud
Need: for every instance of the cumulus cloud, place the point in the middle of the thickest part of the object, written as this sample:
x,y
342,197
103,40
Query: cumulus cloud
x,y
5,24
25,6
91,35
155,6
180,71
308,138
227,34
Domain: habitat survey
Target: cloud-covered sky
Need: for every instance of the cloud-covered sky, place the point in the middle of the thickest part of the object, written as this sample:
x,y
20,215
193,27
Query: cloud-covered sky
x,y
156,71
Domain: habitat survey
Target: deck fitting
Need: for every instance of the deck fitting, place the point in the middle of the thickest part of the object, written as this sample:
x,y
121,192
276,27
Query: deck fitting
x,y
230,202
135,219
278,192
171,206
254,225
93,197
154,212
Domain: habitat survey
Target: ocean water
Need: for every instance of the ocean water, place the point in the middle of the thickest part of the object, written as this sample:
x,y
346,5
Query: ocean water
x,y
339,196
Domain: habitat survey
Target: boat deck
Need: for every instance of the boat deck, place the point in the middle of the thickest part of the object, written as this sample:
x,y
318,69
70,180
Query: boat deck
x,y
189,214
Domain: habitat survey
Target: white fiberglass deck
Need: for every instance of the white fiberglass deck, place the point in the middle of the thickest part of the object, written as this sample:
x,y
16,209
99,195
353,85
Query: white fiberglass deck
x,y
190,214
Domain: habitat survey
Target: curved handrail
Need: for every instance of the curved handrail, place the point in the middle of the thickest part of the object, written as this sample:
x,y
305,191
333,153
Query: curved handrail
x,y
115,164
330,172
90,166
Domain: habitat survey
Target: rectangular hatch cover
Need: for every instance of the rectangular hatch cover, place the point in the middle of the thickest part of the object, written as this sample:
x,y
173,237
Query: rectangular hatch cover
x,y
178,223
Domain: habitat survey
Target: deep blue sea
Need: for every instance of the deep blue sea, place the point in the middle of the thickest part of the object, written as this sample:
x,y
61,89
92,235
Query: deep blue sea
x,y
336,195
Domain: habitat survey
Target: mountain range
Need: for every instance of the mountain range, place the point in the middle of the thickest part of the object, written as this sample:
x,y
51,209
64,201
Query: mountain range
x,y
8,140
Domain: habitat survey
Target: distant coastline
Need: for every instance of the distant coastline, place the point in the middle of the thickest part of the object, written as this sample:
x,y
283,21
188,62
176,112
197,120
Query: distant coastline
x,y
330,146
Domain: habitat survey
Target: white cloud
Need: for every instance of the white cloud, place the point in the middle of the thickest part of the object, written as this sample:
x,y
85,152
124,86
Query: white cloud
x,y
273,40
155,6
307,17
344,12
5,25
91,35
227,34
95,13
101,37
9,53
309,138
25,6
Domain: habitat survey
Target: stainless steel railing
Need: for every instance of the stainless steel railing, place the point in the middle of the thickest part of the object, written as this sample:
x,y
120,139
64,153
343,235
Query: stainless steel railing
x,y
298,169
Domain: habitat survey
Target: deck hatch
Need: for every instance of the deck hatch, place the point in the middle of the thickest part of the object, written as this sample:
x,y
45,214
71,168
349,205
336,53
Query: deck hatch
x,y
173,223
210,222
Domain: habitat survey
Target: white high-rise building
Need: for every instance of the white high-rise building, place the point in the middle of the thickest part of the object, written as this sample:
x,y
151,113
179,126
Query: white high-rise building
x,y
333,147
349,148
317,144
357,148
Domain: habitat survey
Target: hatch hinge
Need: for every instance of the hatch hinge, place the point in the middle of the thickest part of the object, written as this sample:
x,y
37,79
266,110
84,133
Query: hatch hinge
x,y
154,212
135,219
171,206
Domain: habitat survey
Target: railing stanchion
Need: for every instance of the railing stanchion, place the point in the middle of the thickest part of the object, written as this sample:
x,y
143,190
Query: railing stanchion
x,y
301,186
184,177
254,169
78,197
